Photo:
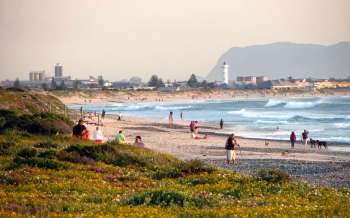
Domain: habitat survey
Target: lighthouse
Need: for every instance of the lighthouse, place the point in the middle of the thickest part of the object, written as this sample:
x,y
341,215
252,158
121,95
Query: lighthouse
x,y
225,72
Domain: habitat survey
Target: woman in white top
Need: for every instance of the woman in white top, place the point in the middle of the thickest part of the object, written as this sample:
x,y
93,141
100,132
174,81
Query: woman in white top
x,y
98,135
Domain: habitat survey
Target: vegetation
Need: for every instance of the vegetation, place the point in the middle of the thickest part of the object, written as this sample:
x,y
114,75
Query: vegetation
x,y
193,82
155,82
60,176
29,102
37,123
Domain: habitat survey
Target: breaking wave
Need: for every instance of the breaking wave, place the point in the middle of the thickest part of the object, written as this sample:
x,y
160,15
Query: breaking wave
x,y
273,103
301,104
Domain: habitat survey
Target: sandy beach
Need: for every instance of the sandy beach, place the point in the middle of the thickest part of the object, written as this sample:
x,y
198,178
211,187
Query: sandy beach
x,y
320,167
108,96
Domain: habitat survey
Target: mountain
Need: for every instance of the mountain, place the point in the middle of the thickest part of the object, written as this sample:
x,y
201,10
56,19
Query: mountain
x,y
282,59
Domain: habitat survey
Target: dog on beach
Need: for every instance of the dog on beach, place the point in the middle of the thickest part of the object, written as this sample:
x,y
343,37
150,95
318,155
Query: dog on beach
x,y
322,143
313,143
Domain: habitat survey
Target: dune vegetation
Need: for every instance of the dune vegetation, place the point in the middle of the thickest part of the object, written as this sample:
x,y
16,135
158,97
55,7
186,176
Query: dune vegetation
x,y
60,176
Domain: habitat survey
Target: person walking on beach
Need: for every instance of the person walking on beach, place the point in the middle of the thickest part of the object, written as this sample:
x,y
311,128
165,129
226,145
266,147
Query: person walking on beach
x,y
293,138
97,136
305,137
171,119
221,123
231,143
103,114
192,126
79,129
120,137
181,115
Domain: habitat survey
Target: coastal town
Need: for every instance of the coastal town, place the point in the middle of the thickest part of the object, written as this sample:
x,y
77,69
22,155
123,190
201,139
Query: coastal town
x,y
59,81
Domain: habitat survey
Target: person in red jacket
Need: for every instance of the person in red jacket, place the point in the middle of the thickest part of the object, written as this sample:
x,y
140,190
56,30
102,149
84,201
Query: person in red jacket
x,y
293,138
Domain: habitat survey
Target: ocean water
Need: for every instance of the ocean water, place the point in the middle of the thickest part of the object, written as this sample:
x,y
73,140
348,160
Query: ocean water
x,y
326,118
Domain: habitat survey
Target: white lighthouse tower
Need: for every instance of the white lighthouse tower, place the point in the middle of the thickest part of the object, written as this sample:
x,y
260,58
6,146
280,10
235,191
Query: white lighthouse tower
x,y
225,72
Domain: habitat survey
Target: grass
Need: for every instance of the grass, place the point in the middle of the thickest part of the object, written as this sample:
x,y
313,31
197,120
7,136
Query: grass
x,y
60,176
29,102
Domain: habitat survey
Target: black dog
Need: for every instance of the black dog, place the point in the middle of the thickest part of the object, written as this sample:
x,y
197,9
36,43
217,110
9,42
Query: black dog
x,y
313,143
322,143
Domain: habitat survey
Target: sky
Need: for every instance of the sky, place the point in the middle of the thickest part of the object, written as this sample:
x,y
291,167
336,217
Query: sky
x,y
171,38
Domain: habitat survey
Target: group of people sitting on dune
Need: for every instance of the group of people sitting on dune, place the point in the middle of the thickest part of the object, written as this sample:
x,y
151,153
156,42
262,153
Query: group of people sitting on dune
x,y
80,131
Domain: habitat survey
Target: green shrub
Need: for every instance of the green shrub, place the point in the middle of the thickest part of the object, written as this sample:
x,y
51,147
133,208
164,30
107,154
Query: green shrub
x,y
235,193
273,175
195,166
166,173
182,169
47,144
6,179
37,162
198,181
38,123
27,153
49,154
30,157
13,136
4,148
109,154
168,198
74,157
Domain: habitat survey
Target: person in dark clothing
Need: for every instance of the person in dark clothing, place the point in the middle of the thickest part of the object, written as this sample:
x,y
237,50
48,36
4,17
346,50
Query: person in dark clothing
x,y
221,123
293,138
231,143
103,113
79,129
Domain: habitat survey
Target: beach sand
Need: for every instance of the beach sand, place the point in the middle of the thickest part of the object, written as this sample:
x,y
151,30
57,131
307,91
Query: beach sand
x,y
319,167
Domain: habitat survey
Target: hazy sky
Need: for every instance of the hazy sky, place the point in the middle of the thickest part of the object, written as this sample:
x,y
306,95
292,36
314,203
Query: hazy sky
x,y
172,38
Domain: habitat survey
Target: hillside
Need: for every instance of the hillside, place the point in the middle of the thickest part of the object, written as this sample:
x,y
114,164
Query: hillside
x,y
279,60
28,102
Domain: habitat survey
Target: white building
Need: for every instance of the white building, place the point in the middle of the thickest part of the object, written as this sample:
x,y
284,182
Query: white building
x,y
225,73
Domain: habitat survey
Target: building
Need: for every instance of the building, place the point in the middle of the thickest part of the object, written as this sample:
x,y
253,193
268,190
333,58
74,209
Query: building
x,y
37,76
58,70
225,73
287,85
261,79
343,84
325,84
246,79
